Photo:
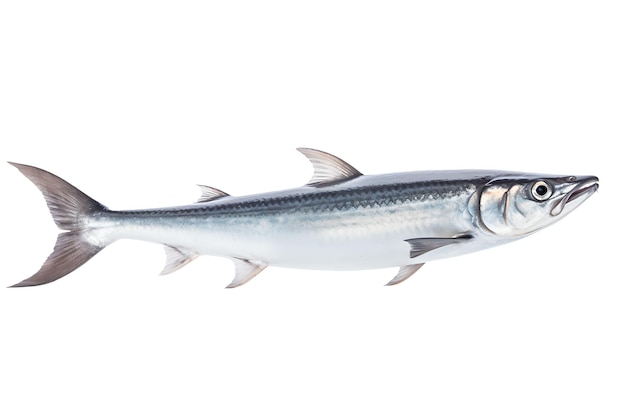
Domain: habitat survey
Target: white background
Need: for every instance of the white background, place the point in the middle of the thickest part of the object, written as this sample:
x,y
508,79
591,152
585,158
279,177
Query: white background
x,y
135,102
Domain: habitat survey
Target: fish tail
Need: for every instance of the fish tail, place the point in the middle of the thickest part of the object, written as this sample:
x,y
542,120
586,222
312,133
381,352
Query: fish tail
x,y
70,208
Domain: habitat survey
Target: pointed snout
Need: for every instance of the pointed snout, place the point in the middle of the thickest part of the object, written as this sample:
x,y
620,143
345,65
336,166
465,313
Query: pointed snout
x,y
588,183
583,186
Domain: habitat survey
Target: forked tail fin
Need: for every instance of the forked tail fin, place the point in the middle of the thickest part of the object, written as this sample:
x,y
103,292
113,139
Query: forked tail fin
x,y
70,209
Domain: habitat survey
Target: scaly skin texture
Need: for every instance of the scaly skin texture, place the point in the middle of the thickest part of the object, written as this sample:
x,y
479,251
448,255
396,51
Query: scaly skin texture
x,y
345,226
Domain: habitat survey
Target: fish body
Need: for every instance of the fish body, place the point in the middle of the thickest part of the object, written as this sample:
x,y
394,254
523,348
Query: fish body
x,y
340,220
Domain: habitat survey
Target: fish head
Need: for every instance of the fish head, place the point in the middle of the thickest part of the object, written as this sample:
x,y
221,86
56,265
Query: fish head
x,y
520,204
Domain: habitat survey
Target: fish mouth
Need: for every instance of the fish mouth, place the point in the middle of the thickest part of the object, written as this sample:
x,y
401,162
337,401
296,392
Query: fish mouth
x,y
584,188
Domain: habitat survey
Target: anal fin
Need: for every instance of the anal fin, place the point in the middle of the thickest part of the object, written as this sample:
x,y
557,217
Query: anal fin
x,y
405,273
176,258
245,270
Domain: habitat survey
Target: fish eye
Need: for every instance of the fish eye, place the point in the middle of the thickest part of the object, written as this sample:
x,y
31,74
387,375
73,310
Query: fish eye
x,y
541,191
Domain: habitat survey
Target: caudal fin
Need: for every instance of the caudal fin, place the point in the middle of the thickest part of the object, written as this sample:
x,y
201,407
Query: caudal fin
x,y
70,208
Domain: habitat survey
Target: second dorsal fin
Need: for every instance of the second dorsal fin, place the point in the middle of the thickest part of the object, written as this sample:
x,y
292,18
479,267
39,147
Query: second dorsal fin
x,y
210,194
328,169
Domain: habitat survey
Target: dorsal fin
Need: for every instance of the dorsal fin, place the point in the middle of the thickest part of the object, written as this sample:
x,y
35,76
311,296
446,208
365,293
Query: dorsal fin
x,y
328,169
210,194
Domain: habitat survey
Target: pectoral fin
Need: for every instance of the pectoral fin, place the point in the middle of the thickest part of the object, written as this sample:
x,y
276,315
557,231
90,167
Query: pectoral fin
x,y
422,245
404,273
245,270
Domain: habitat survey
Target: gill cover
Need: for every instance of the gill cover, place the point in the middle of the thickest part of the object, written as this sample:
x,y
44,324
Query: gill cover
x,y
515,206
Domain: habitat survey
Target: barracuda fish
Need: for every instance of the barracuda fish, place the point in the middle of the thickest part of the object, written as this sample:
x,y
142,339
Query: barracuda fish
x,y
340,220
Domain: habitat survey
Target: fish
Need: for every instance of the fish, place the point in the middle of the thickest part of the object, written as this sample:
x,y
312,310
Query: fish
x,y
340,219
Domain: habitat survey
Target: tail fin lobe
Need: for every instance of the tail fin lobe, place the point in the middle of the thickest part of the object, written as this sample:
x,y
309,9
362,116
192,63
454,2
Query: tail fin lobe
x,y
70,252
67,203
70,208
